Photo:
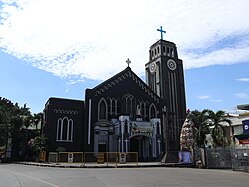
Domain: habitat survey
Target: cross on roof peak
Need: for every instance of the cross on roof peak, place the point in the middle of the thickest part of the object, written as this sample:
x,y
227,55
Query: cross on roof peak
x,y
162,31
128,62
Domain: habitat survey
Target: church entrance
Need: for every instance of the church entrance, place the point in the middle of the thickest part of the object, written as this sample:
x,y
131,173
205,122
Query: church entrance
x,y
142,145
102,147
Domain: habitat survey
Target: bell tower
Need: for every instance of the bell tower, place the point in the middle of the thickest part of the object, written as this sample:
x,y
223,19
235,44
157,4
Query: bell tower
x,y
164,75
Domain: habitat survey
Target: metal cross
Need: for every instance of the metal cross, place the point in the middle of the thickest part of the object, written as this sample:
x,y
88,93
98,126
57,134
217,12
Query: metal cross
x,y
128,62
162,31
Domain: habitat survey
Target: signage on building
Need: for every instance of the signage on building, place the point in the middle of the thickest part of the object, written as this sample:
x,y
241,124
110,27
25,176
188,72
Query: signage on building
x,y
245,126
142,128
70,157
246,141
122,158
101,158
184,157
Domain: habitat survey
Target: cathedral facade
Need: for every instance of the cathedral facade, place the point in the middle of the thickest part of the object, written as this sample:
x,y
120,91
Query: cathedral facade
x,y
125,114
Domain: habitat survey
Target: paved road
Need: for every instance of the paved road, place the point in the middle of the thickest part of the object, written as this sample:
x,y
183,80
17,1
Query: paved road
x,y
14,175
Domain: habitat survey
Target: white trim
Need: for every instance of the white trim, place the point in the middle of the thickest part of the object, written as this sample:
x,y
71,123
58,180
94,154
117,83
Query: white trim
x,y
89,121
64,140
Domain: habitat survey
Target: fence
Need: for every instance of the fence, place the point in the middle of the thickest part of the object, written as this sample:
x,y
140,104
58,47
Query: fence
x,y
110,158
106,158
72,157
241,160
53,157
223,158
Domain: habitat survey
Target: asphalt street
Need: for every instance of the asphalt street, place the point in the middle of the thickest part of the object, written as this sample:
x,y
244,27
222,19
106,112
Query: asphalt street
x,y
16,175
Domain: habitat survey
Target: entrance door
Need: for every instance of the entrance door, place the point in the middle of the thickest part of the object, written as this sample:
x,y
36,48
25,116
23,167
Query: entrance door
x,y
102,147
141,145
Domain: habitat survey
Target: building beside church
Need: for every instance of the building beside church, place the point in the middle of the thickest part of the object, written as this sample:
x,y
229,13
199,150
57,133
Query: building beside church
x,y
125,114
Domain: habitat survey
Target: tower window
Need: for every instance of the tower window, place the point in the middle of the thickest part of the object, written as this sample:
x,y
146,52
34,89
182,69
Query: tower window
x,y
164,49
168,51
172,52
158,50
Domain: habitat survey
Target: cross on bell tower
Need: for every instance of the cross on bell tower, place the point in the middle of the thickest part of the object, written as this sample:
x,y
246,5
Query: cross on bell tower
x,y
162,31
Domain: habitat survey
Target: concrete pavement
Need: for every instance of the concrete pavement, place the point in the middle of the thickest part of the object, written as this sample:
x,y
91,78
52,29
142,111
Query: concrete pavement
x,y
16,175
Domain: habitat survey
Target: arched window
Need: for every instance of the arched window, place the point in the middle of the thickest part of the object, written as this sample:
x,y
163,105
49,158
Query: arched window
x,y
152,111
142,106
129,104
64,129
102,109
59,129
118,107
70,130
112,106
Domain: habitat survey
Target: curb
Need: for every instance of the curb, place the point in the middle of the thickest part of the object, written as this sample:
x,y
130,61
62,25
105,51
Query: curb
x,y
99,166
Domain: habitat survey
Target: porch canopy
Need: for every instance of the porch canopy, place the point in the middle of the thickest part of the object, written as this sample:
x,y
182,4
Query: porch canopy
x,y
243,138
243,107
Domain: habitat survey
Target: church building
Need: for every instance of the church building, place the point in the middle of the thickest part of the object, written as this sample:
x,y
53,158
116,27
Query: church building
x,y
125,114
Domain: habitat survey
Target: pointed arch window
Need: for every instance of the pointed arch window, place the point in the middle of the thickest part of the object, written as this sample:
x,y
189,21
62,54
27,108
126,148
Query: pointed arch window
x,y
152,111
102,109
129,104
112,106
64,130
118,108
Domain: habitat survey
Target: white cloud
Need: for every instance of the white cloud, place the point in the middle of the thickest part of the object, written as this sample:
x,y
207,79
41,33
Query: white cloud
x,y
202,97
242,95
243,79
80,39
216,100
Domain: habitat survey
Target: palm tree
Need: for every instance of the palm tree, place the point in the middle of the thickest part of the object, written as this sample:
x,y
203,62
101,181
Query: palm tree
x,y
218,132
200,121
37,118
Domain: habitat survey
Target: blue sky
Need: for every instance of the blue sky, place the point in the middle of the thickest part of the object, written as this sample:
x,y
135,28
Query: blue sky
x,y
48,50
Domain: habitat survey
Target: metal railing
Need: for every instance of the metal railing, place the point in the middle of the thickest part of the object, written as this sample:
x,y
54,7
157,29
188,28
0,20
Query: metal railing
x,y
93,158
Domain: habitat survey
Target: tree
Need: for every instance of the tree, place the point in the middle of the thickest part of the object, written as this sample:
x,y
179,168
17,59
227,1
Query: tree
x,y
12,120
39,143
26,116
200,121
218,133
8,117
37,118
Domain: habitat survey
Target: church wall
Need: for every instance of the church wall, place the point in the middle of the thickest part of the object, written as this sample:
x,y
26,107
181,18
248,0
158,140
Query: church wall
x,y
177,111
117,91
67,110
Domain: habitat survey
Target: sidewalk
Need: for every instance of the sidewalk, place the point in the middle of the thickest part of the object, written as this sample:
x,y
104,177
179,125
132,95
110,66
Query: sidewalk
x,y
105,165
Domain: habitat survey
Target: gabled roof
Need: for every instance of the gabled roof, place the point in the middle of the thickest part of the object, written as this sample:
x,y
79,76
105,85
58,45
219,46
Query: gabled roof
x,y
116,79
